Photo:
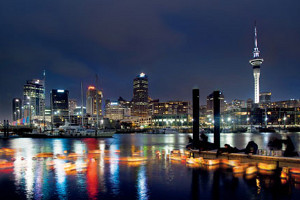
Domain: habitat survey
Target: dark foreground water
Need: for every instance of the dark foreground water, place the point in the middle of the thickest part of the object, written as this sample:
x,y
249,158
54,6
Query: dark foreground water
x,y
101,170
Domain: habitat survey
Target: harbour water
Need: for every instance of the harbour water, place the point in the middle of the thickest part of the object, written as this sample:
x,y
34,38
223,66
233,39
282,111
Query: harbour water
x,y
127,167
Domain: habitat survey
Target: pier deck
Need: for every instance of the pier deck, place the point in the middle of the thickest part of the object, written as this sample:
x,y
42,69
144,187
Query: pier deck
x,y
279,161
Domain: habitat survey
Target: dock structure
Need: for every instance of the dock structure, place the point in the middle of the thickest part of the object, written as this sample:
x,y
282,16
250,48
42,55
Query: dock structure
x,y
245,158
217,117
195,117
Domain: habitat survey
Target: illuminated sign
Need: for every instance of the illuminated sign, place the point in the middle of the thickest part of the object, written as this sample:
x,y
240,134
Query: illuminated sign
x,y
60,91
114,103
91,87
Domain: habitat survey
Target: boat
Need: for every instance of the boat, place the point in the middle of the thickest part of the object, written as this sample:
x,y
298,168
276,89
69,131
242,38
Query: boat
x,y
252,129
71,131
268,130
167,130
70,128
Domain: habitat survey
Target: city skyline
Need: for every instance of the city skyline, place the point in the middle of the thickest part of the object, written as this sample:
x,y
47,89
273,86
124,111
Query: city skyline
x,y
190,45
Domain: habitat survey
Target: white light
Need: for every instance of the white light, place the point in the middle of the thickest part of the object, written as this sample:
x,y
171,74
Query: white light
x,y
142,75
229,119
60,91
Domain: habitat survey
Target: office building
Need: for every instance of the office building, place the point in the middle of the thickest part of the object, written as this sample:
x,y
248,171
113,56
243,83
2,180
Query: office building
x,y
114,110
140,96
72,106
34,98
16,109
92,96
59,106
210,103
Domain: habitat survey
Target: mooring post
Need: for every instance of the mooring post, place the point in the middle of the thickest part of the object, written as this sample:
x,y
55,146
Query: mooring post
x,y
7,126
217,119
195,117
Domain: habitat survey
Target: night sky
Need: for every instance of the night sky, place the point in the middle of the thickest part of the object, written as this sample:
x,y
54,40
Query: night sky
x,y
178,44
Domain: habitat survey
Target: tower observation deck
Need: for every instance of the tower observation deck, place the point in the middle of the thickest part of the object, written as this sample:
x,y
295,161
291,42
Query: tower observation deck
x,y
256,63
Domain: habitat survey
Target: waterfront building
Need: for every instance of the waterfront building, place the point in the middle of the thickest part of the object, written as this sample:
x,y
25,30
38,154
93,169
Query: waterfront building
x,y
114,110
92,96
138,122
256,63
210,103
265,99
140,98
171,113
17,109
291,103
72,106
59,106
170,120
33,98
170,108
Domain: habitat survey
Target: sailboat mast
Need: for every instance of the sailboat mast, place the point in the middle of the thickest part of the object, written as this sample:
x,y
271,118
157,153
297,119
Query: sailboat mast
x,y
81,105
44,100
97,108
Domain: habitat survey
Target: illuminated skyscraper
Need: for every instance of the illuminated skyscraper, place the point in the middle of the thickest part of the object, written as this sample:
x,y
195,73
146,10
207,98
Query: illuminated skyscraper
x,y
17,109
59,106
91,101
140,96
34,98
256,63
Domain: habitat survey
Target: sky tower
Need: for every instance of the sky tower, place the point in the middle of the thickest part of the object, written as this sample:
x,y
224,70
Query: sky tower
x,y
256,62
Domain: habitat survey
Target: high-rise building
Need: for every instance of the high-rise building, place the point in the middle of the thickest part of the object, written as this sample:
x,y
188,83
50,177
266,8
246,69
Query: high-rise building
x,y
140,96
59,105
72,106
17,109
34,98
256,63
92,95
210,103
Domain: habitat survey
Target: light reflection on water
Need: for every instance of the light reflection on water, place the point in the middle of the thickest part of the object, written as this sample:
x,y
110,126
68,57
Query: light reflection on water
x,y
107,176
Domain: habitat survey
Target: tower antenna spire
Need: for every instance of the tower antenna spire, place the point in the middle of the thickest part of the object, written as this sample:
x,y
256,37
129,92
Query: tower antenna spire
x,y
255,51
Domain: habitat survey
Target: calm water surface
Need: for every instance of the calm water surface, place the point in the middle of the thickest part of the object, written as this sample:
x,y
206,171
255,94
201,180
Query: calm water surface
x,y
108,175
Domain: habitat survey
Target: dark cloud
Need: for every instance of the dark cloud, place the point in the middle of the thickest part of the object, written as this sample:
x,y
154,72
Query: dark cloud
x,y
179,44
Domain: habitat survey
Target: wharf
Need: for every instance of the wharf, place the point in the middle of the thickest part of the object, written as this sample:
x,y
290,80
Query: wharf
x,y
279,161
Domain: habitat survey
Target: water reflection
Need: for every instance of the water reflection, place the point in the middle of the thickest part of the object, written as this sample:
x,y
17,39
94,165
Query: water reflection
x,y
114,170
130,167
142,187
